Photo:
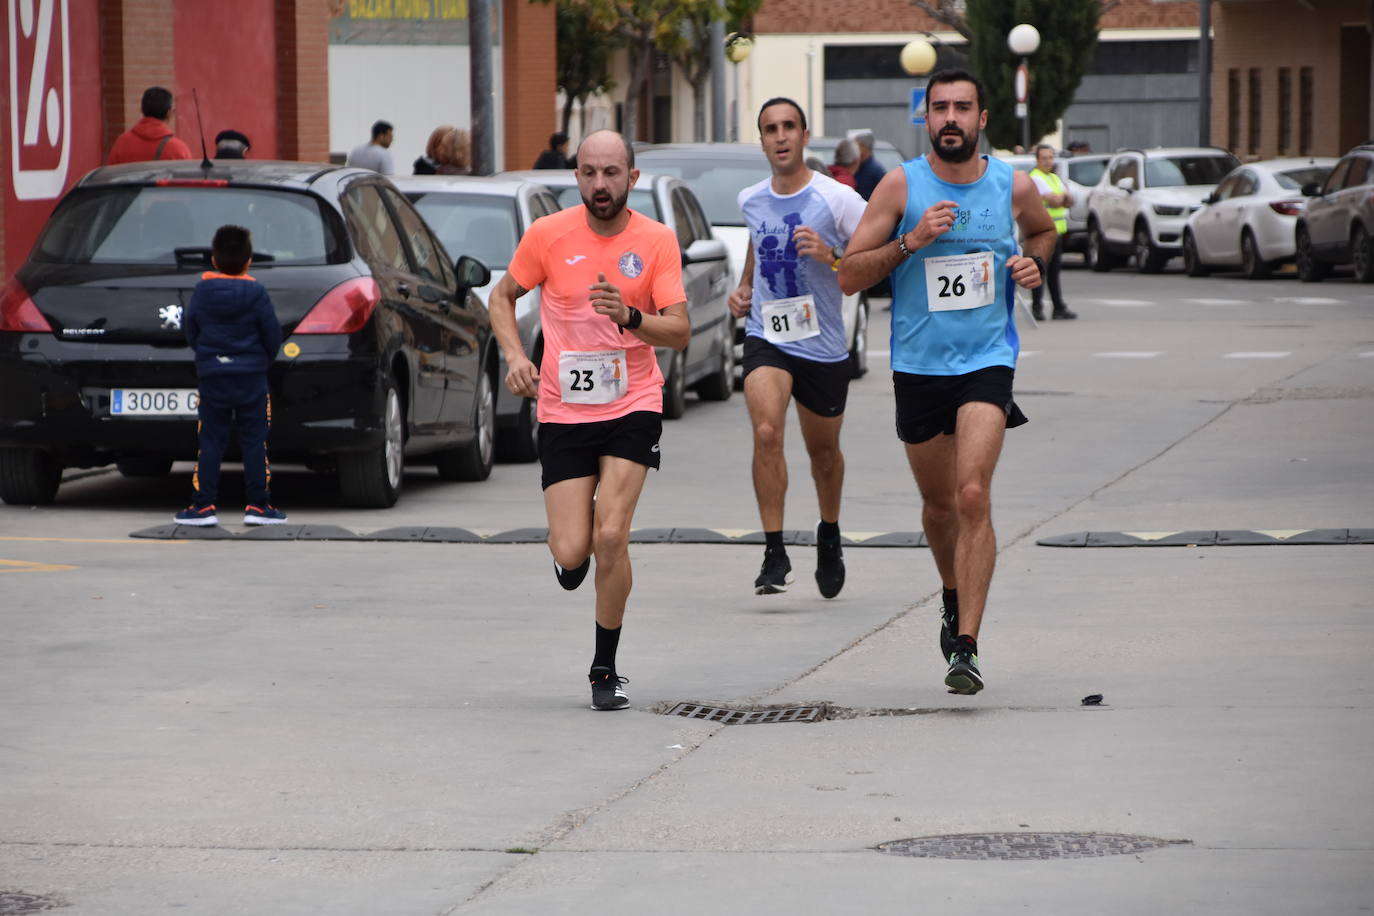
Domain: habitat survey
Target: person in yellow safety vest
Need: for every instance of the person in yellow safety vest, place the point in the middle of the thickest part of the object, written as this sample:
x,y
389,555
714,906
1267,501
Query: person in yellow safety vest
x,y
1057,200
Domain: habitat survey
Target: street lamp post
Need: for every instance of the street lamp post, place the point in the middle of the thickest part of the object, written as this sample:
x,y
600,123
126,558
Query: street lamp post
x,y
1023,40
737,48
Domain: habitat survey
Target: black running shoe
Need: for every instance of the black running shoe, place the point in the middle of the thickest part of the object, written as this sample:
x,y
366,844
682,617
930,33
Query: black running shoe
x,y
606,690
776,573
949,629
963,676
570,579
829,567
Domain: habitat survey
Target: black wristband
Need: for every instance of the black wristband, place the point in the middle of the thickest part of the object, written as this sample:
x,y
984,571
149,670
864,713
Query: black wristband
x,y
636,318
1039,263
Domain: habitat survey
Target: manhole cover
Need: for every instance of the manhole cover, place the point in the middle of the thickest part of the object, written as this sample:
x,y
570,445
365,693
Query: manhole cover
x,y
736,716
1024,845
18,903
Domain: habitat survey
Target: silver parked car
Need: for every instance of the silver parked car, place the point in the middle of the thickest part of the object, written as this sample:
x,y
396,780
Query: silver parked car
x,y
1248,221
485,219
1337,226
708,363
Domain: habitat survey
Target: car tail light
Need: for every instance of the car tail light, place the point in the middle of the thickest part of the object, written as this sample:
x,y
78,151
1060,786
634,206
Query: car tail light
x,y
344,309
191,183
1286,207
17,311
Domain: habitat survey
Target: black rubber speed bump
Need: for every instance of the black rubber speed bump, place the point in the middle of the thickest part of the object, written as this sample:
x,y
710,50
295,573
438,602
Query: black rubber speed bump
x,y
403,533
520,536
1228,538
451,536
896,539
650,535
187,532
699,536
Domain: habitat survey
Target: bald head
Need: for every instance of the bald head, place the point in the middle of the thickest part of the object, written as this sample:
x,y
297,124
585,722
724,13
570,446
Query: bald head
x,y
607,143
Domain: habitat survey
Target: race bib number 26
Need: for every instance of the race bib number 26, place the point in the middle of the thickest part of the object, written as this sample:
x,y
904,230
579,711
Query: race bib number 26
x,y
960,281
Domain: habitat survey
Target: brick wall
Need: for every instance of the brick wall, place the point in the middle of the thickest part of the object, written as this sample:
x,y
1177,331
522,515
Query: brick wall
x,y
136,52
1266,37
529,69
1152,14
303,79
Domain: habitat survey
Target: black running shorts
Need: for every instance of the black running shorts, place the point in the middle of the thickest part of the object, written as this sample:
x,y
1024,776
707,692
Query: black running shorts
x,y
568,450
821,388
927,405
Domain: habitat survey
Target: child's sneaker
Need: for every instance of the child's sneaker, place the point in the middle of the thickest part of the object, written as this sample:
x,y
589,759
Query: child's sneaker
x,y
263,515
197,516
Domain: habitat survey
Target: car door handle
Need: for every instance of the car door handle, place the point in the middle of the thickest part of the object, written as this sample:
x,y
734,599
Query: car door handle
x,y
403,289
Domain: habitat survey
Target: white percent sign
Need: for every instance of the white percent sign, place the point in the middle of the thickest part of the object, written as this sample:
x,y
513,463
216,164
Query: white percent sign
x,y
37,26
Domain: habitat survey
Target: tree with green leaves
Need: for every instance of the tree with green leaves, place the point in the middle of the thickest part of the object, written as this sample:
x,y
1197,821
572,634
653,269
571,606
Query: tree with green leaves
x,y
584,58
691,47
1068,34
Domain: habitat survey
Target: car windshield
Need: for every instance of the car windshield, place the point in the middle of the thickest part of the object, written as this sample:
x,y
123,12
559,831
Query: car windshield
x,y
1294,179
478,225
715,182
1177,171
146,225
641,199
1087,172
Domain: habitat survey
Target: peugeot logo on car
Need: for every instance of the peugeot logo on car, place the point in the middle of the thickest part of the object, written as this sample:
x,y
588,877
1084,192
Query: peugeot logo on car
x,y
171,317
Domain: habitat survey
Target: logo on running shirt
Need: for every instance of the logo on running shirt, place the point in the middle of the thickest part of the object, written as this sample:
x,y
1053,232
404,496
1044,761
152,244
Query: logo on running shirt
x,y
631,264
574,259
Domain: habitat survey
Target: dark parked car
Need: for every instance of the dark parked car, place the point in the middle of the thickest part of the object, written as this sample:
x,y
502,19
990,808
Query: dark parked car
x,y
1337,226
387,353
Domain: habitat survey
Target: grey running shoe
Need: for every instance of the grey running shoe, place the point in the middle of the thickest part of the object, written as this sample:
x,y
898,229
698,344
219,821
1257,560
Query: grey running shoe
x,y
570,579
606,689
776,573
964,676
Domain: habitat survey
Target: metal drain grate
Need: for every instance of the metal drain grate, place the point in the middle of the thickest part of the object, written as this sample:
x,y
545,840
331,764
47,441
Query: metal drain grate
x,y
1024,845
748,716
18,903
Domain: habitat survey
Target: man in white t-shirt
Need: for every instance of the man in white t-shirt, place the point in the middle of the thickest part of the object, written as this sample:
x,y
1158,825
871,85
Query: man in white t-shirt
x,y
376,153
794,347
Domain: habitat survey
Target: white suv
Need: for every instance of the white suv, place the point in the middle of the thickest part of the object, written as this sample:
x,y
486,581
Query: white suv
x,y
1139,206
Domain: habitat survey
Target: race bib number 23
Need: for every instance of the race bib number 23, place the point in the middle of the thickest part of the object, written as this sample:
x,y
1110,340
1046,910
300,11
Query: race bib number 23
x,y
592,376
960,281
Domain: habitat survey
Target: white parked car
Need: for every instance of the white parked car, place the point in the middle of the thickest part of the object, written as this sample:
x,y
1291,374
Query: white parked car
x,y
1144,198
1248,221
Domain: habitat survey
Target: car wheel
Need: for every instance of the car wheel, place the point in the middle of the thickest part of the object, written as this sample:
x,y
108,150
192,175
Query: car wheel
x,y
474,460
1192,261
1097,256
1310,270
1361,256
719,385
144,466
1148,258
858,348
372,479
28,476
519,443
1255,267
675,387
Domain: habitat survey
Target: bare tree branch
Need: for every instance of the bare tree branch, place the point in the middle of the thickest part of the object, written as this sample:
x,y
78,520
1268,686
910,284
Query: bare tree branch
x,y
944,13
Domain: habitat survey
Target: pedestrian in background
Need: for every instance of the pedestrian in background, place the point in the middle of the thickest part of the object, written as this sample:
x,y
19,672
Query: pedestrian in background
x,y
846,157
151,139
870,171
455,153
428,162
556,156
231,144
1057,200
376,153
233,330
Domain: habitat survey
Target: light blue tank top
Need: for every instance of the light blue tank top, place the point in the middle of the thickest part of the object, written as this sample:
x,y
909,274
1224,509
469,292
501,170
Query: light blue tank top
x,y
926,342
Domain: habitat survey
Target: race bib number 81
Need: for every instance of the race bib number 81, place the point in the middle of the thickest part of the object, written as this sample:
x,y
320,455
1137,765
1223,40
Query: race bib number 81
x,y
787,320
592,376
960,281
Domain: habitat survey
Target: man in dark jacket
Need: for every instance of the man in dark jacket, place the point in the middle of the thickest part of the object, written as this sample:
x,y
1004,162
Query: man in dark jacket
x,y
150,139
231,326
556,156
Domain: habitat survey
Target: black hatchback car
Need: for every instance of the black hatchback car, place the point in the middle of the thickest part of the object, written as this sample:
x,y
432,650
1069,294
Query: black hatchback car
x,y
387,353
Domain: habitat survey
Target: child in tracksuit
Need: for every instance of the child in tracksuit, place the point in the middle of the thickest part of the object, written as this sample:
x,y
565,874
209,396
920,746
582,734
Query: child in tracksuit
x,y
231,326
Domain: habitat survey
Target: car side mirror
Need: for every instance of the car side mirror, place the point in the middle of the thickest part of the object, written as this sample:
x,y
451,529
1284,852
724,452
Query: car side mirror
x,y
704,250
472,273
1126,184
1312,189
1210,199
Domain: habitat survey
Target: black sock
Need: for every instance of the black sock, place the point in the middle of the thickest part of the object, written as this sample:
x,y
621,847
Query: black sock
x,y
950,598
606,643
773,541
828,531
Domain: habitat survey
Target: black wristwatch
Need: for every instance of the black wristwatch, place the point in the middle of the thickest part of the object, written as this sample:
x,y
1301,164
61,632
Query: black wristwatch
x,y
635,320
1040,264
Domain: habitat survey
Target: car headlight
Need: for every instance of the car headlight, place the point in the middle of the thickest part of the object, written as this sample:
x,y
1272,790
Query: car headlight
x,y
1167,210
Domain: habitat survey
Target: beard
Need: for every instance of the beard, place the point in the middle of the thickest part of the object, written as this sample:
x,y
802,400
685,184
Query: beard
x,y
963,152
606,207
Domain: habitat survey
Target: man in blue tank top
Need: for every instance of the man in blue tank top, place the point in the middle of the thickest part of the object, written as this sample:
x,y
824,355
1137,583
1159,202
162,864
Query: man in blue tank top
x,y
942,227
794,345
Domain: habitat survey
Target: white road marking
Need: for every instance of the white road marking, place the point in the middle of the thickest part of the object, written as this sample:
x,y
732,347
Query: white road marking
x,y
1123,303
1219,301
1307,300
1037,353
1259,354
1130,354
1367,355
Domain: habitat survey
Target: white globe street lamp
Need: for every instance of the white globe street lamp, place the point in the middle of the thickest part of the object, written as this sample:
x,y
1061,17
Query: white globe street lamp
x,y
1024,40
737,48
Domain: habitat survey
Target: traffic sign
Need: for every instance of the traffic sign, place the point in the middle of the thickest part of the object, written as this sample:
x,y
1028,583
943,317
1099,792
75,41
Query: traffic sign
x,y
918,106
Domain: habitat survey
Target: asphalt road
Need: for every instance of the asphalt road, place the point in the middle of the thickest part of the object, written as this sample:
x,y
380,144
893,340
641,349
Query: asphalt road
x,y
301,727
